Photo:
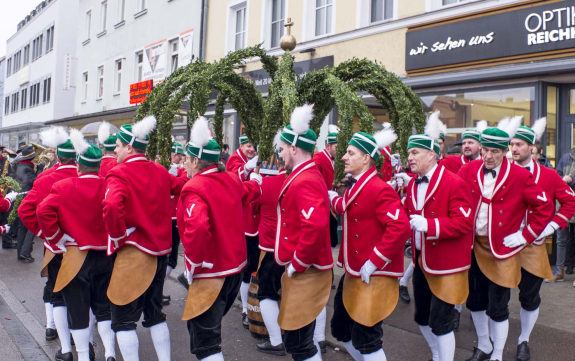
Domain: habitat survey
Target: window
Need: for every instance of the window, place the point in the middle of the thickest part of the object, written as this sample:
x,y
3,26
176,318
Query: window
x,y
100,84
323,17
85,86
26,58
37,47
450,2
103,15
121,9
47,88
278,17
174,56
50,38
240,33
381,10
118,77
88,24
8,67
15,98
139,66
141,6
23,96
17,58
6,105
34,94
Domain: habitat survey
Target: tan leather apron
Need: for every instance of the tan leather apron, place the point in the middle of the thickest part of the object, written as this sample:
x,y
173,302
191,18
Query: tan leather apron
x,y
133,273
503,272
48,256
201,296
370,303
452,289
72,262
304,295
534,259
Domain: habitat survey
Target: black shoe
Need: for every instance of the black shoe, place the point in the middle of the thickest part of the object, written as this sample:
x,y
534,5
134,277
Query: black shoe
x,y
456,318
92,352
569,270
479,355
323,346
51,334
183,281
523,353
404,294
110,359
68,356
9,245
245,321
166,300
26,259
266,347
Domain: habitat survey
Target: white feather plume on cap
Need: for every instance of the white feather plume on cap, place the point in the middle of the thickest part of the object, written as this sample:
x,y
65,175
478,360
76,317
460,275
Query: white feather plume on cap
x,y
53,137
385,138
539,127
332,128
503,123
433,125
513,125
200,134
104,132
481,126
301,117
144,127
277,140
80,144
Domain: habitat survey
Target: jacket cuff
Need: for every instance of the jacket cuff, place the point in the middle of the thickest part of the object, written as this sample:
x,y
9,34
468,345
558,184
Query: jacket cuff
x,y
191,266
55,238
335,202
299,266
116,243
432,229
378,259
561,220
528,234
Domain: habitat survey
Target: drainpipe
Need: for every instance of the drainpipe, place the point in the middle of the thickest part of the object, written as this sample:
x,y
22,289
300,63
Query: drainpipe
x,y
203,29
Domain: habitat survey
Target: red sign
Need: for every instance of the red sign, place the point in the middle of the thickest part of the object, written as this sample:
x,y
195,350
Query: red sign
x,y
139,91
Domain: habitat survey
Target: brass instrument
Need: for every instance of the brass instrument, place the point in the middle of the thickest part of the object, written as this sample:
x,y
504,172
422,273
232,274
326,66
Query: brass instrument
x,y
40,157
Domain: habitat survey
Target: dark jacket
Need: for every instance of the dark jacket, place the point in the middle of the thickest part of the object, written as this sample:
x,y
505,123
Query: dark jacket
x,y
25,175
544,161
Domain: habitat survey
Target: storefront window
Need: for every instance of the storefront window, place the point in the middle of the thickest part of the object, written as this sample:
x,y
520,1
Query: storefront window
x,y
463,109
33,137
551,124
22,138
13,142
572,101
6,140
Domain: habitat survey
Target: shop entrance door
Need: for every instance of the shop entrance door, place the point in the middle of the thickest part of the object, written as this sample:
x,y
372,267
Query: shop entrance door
x,y
567,118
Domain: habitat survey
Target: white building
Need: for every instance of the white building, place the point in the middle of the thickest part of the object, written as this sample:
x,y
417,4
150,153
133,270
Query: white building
x,y
37,86
122,42
2,73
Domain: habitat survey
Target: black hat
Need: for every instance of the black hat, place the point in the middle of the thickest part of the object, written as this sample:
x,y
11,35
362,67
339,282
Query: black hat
x,y
20,147
26,153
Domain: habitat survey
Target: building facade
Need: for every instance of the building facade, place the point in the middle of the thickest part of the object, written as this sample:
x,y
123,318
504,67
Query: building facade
x,y
123,42
38,83
2,73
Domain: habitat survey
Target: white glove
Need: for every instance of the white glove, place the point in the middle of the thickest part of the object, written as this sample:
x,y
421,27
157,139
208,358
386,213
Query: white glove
x,y
174,170
189,275
332,195
418,223
7,227
395,160
251,164
207,265
130,231
393,184
62,242
290,270
514,240
402,179
11,196
256,177
549,230
367,270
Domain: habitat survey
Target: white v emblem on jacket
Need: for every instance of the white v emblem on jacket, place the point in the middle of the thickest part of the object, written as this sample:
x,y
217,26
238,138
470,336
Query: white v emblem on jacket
x,y
465,214
308,214
544,198
189,211
394,217
570,191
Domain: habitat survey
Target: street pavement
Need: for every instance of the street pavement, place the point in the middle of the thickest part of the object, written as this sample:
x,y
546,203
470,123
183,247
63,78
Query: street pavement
x,y
22,320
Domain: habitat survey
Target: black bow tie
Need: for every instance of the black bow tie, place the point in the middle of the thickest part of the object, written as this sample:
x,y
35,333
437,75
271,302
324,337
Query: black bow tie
x,y
528,168
421,180
350,181
486,171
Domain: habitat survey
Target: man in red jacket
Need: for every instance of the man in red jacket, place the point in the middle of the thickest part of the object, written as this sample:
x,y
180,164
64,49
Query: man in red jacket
x,y
375,231
209,221
55,137
471,149
302,239
242,163
502,193
108,142
439,206
534,259
137,216
71,220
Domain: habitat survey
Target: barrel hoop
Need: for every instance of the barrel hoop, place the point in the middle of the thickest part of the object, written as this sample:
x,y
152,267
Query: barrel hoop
x,y
256,323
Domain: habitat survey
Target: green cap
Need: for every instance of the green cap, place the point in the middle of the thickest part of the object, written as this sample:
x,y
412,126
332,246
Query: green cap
x,y
305,141
366,143
531,135
210,152
66,150
244,139
495,138
110,143
127,136
177,148
92,157
423,141
471,134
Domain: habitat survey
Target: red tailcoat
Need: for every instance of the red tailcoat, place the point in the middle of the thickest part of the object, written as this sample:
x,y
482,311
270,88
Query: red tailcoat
x,y
514,193
386,170
236,164
454,162
302,236
74,207
375,227
48,171
4,204
40,190
176,198
324,164
446,246
138,195
266,207
108,162
210,222
556,190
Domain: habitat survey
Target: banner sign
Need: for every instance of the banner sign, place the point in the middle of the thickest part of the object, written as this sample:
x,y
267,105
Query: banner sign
x,y
186,47
139,91
154,67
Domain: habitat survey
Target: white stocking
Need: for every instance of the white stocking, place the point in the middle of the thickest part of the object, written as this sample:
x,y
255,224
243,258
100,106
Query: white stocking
x,y
481,322
244,296
270,311
61,321
446,347
528,320
129,344
378,355
49,315
108,338
161,340
82,341
498,332
352,351
431,341
319,331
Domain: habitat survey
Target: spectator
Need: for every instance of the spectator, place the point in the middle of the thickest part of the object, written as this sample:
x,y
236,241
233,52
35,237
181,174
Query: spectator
x,y
538,156
25,176
566,169
225,154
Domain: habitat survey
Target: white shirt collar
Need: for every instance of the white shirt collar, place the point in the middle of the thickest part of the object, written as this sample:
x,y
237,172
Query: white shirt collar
x,y
531,165
294,168
430,173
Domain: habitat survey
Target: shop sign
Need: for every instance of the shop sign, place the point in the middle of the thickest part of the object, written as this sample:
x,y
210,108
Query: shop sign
x,y
67,73
186,49
154,67
139,91
525,31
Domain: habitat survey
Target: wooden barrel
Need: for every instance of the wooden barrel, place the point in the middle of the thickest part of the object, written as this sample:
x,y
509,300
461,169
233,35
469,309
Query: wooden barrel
x,y
257,326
